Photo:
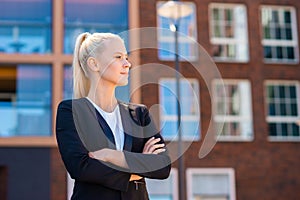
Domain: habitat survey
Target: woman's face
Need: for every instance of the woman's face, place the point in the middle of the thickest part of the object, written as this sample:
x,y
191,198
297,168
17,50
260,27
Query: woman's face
x,y
114,64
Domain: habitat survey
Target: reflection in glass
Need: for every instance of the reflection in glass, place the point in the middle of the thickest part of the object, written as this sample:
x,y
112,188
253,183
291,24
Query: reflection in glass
x,y
25,101
25,26
189,105
93,16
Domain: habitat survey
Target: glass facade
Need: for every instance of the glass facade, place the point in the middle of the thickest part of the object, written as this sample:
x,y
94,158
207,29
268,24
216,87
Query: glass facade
x,y
92,16
187,29
25,100
27,91
189,105
25,26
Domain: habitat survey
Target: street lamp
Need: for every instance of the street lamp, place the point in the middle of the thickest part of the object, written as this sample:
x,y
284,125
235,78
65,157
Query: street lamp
x,y
175,10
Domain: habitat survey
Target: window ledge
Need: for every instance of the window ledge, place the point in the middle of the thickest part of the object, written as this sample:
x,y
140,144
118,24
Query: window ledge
x,y
28,142
234,139
284,139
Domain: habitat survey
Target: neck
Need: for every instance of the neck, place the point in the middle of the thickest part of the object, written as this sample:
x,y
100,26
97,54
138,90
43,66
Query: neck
x,y
103,95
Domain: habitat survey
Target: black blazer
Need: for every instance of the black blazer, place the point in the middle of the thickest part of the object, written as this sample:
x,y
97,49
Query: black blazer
x,y
78,132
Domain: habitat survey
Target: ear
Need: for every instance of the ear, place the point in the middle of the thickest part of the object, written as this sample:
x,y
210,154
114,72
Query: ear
x,y
93,64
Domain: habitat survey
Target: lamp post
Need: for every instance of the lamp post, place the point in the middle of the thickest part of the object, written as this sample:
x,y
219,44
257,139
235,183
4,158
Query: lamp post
x,y
175,10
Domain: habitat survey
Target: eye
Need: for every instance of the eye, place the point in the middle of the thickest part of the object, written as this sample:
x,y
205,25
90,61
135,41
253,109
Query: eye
x,y
118,57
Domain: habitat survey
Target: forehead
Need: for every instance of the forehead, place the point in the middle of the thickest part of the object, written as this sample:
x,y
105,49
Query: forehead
x,y
114,45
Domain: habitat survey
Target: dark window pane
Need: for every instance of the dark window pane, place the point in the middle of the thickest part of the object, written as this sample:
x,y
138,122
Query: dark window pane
x,y
272,129
279,52
294,109
267,34
292,92
284,130
295,130
25,26
287,17
267,52
271,92
272,109
281,91
278,33
283,109
275,17
288,32
290,52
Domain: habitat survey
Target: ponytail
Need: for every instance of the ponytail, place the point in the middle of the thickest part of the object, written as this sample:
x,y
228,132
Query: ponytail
x,y
81,83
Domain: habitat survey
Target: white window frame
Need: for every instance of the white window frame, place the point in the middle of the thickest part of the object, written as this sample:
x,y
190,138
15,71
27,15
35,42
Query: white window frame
x,y
281,43
182,38
280,118
174,175
230,118
227,171
228,40
184,118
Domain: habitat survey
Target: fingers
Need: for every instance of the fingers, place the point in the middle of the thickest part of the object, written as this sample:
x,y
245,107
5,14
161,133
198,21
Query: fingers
x,y
151,146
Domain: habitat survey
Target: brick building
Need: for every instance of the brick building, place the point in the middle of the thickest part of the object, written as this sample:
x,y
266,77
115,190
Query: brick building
x,y
252,106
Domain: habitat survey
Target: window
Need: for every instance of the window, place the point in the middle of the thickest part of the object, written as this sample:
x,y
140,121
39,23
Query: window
x,y
232,109
189,104
92,16
187,37
211,184
279,34
25,26
25,100
163,189
282,103
228,32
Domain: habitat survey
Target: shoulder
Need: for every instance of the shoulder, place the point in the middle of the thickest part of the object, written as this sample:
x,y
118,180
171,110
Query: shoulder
x,y
68,103
138,112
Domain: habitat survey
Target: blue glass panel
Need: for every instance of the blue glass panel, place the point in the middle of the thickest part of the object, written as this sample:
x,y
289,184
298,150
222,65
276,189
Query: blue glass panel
x,y
160,197
25,26
27,109
68,85
93,16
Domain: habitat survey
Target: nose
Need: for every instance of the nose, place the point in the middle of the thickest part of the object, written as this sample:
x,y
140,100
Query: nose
x,y
126,64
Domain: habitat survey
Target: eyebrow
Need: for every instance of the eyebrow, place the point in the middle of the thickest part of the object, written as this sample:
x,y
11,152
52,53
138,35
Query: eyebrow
x,y
121,53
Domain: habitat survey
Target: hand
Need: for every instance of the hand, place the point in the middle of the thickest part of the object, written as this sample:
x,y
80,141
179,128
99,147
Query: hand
x,y
101,154
151,146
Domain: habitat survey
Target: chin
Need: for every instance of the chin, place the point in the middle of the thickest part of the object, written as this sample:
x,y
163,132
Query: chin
x,y
122,83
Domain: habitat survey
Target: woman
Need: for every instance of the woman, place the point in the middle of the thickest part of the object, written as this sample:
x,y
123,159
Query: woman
x,y
107,146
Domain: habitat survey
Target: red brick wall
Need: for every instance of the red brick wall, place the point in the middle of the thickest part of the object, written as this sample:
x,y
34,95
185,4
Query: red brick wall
x,y
3,182
58,177
263,169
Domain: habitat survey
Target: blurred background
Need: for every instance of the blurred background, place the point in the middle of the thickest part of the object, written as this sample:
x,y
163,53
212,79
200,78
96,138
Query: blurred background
x,y
254,108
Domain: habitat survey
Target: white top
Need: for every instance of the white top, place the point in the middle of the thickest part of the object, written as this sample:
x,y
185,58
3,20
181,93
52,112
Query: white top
x,y
113,119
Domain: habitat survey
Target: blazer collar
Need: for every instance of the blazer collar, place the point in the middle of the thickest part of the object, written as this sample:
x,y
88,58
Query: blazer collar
x,y
126,122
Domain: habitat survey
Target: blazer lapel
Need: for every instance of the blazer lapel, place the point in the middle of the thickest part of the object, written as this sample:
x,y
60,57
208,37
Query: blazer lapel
x,y
88,126
127,126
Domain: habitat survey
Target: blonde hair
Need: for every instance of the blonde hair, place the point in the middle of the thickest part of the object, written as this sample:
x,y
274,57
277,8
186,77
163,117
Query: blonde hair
x,y
86,45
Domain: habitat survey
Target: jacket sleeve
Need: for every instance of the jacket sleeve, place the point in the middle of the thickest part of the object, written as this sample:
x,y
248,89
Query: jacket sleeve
x,y
75,156
156,166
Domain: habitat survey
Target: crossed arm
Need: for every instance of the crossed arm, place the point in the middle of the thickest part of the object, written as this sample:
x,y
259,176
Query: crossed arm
x,y
117,158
